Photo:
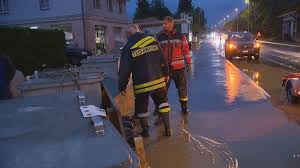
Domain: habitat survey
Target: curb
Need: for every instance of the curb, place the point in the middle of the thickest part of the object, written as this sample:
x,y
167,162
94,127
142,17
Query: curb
x,y
264,93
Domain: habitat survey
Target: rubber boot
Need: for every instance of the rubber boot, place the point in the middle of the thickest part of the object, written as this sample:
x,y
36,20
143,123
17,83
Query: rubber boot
x,y
158,120
184,108
145,127
166,121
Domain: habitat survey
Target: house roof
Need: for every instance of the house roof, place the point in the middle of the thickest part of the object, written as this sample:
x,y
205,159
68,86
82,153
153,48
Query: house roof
x,y
295,7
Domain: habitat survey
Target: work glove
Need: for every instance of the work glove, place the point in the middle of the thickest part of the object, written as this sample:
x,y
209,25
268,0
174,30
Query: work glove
x,y
123,93
189,69
167,78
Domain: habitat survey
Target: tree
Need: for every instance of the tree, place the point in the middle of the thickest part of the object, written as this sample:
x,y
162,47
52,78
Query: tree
x,y
159,10
185,6
143,9
263,15
199,21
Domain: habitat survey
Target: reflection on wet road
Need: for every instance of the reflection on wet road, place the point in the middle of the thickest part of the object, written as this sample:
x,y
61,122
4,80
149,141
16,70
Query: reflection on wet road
x,y
232,123
269,77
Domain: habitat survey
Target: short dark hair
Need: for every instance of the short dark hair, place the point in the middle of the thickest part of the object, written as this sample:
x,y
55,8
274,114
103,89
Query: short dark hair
x,y
169,19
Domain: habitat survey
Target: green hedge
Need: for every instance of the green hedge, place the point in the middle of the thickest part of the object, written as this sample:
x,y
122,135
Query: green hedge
x,y
29,49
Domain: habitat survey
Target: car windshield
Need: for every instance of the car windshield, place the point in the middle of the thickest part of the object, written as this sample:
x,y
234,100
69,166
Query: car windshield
x,y
242,37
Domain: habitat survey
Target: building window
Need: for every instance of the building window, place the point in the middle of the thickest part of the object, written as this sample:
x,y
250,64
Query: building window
x,y
101,47
118,37
97,4
119,6
3,6
110,6
44,4
67,28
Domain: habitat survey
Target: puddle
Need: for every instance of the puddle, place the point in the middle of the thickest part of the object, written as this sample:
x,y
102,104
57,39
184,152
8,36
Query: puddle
x,y
269,78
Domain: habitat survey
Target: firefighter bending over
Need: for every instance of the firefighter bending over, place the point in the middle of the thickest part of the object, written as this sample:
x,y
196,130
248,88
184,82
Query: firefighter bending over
x,y
143,57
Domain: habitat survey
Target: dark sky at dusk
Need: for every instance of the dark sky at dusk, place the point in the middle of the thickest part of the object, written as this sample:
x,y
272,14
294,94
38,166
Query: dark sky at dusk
x,y
215,10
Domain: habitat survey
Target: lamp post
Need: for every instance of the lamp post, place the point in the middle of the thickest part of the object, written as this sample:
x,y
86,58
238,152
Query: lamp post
x,y
237,19
230,23
247,2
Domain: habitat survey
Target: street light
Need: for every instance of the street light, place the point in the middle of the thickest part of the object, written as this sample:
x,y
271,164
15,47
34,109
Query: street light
x,y
237,19
247,2
230,22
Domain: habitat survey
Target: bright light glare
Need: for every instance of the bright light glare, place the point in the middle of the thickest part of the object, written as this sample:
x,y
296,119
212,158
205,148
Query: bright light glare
x,y
34,27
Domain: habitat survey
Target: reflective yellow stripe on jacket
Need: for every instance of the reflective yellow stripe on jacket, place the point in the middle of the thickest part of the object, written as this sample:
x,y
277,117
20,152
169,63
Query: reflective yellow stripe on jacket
x,y
143,42
149,86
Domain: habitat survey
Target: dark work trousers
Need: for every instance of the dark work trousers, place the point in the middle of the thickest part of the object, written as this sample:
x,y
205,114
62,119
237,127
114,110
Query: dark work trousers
x,y
160,98
178,76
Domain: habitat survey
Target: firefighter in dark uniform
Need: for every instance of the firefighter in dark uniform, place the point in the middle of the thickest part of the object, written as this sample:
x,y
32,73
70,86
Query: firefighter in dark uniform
x,y
142,56
176,51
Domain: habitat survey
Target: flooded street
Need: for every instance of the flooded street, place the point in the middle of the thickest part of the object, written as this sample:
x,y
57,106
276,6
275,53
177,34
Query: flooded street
x,y
232,123
268,76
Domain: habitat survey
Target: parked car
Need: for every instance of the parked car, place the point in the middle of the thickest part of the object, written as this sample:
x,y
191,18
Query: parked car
x,y
291,83
239,44
75,54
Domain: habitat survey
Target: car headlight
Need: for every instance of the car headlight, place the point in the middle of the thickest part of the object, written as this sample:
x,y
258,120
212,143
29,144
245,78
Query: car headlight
x,y
257,45
232,46
84,53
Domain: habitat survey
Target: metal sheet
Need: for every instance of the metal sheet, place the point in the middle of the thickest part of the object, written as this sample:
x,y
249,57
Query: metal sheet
x,y
49,131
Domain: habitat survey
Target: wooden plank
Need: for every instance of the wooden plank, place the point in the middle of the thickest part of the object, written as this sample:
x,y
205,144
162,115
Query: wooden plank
x,y
140,150
112,109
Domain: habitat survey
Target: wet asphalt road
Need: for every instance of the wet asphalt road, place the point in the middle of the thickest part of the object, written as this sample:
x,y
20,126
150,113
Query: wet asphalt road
x,y
285,56
232,123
